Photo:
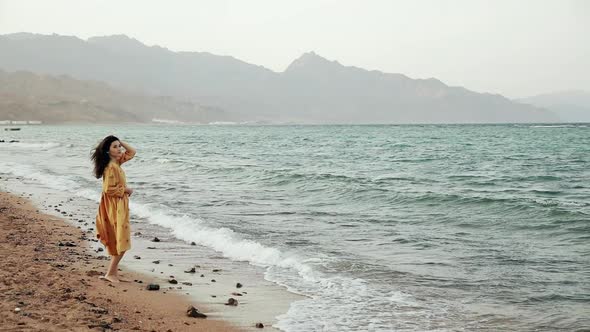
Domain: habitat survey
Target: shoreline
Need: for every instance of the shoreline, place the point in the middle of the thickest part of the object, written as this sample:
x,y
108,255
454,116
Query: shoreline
x,y
50,282
211,285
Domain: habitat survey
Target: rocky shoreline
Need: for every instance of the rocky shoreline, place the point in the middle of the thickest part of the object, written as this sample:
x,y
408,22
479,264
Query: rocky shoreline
x,y
49,282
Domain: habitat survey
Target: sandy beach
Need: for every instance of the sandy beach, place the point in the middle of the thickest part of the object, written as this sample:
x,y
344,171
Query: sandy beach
x,y
50,282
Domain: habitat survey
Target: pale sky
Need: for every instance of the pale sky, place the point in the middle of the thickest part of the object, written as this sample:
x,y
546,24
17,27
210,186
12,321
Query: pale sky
x,y
516,48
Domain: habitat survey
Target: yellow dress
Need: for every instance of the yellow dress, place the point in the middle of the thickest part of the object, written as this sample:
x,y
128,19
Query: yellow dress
x,y
112,219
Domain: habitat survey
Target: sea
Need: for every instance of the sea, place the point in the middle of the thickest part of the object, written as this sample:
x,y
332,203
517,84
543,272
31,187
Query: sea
x,y
378,227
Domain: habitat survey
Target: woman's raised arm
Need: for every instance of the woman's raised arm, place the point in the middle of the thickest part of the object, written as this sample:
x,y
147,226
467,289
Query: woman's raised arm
x,y
129,153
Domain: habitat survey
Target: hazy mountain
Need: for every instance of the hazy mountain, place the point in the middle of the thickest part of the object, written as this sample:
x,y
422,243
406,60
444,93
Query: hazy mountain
x,y
356,95
572,106
59,99
311,90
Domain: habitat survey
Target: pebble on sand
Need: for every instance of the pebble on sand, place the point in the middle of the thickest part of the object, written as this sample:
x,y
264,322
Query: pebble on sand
x,y
153,287
231,301
194,312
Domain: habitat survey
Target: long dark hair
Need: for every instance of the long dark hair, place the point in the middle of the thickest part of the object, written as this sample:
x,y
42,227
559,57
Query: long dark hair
x,y
101,157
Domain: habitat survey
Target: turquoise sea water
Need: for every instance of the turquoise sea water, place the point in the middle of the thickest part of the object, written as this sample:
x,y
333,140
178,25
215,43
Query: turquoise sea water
x,y
385,228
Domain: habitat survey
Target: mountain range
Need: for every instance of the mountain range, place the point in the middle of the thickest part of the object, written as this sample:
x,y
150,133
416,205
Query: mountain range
x,y
62,99
311,90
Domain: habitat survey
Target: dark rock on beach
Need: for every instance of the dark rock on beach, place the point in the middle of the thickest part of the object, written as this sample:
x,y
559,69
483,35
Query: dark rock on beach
x,y
99,310
153,287
102,325
194,312
231,301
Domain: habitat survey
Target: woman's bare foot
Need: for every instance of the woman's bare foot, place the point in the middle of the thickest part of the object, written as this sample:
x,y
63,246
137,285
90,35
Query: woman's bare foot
x,y
113,279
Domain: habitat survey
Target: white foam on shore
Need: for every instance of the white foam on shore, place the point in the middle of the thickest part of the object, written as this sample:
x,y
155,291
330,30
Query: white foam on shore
x,y
222,240
335,302
32,173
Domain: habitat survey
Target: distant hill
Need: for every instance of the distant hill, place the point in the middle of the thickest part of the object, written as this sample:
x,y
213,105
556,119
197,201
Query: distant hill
x,y
571,106
62,99
311,90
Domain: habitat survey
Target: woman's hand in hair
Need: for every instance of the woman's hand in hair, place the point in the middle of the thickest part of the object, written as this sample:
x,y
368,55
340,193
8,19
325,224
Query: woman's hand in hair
x,y
128,191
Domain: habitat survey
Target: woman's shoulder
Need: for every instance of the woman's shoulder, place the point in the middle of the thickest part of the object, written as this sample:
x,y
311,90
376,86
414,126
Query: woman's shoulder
x,y
112,166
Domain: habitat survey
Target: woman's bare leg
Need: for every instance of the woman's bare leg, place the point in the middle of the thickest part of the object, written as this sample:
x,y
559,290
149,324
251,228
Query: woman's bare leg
x,y
112,275
116,271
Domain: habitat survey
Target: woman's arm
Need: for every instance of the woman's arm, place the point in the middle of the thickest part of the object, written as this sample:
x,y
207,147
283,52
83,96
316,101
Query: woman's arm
x,y
111,185
128,147
129,152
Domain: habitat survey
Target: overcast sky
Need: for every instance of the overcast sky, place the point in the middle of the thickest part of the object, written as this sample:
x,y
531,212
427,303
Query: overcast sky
x,y
513,47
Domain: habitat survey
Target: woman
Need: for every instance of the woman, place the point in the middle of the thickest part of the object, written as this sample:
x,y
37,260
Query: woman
x,y
112,220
